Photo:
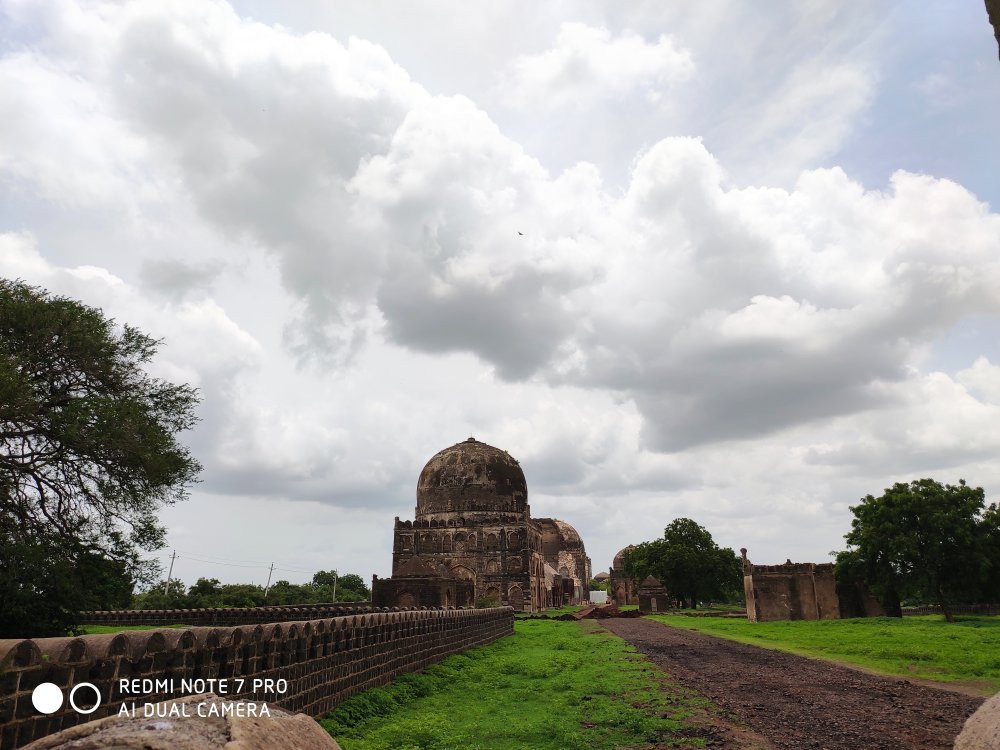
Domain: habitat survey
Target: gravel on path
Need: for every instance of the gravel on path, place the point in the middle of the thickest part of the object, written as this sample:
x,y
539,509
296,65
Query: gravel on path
x,y
796,702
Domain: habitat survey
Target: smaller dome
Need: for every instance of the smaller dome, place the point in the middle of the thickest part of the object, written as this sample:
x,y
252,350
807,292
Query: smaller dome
x,y
619,561
570,536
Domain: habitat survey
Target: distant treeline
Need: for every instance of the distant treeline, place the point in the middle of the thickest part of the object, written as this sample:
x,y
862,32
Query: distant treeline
x,y
326,586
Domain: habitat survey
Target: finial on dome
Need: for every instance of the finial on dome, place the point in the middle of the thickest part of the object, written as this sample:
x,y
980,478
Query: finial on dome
x,y
471,439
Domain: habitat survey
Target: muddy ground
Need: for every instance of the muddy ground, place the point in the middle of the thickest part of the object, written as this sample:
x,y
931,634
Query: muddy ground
x,y
794,702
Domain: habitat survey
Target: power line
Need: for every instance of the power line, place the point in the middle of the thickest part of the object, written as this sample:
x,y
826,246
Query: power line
x,y
237,563
230,562
224,559
216,562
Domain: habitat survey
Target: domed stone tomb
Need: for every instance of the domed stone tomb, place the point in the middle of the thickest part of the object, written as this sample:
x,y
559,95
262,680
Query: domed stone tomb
x,y
473,526
471,479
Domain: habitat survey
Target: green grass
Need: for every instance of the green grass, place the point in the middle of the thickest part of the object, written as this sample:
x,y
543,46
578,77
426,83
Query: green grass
x,y
567,609
552,685
967,650
99,629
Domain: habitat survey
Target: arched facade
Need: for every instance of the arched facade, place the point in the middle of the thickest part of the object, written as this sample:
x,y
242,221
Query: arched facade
x,y
472,521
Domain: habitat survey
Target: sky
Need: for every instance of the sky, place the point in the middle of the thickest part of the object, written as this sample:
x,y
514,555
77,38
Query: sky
x,y
734,263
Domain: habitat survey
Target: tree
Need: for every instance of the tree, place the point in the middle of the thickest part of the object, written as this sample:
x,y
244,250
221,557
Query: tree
x,y
205,593
688,562
990,527
164,595
88,449
924,537
45,582
350,587
355,584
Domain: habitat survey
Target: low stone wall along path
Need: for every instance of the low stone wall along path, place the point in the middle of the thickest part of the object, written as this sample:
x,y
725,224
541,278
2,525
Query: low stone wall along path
x,y
797,702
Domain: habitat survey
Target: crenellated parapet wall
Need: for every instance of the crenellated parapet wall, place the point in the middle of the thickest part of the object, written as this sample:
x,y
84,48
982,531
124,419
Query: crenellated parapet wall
x,y
224,616
323,661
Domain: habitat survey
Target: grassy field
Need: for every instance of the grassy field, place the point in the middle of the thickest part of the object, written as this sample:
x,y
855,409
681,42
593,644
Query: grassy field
x,y
553,611
551,686
966,651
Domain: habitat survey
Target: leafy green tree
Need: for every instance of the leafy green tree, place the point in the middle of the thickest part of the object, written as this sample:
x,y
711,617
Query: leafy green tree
x,y
46,581
990,527
354,583
88,450
688,562
324,578
350,587
596,585
925,537
242,595
163,595
283,592
205,593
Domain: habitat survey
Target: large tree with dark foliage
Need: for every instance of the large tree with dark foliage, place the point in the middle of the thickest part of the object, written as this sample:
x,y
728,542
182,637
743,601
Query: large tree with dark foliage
x,y
688,562
927,540
88,455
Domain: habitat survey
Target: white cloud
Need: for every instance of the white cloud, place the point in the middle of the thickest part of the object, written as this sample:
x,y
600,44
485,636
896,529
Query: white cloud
x,y
635,314
588,65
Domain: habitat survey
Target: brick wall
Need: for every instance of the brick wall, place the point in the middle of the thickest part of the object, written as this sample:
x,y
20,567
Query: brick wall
x,y
792,591
323,660
222,616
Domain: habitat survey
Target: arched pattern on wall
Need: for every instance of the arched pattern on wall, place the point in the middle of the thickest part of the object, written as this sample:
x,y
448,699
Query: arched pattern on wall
x,y
406,600
515,597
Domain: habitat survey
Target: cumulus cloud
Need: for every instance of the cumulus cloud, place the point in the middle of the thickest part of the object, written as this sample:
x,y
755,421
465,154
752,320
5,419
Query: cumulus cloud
x,y
652,337
588,64
176,278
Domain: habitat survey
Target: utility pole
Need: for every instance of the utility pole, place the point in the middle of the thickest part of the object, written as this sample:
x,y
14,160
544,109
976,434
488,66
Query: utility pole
x,y
171,571
268,581
335,585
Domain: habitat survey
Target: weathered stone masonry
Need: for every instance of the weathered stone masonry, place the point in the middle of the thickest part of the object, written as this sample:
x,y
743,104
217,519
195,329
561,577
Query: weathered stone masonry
x,y
324,661
223,616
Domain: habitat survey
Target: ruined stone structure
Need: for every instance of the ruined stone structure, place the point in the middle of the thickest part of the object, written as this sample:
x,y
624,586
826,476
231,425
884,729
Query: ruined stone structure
x,y
564,553
653,596
473,524
790,591
324,661
620,589
423,582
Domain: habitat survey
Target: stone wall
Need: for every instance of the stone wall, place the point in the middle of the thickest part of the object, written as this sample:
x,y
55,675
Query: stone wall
x,y
323,660
653,596
790,591
955,609
223,616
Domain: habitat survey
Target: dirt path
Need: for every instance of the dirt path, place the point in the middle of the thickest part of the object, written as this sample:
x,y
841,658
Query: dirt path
x,y
802,703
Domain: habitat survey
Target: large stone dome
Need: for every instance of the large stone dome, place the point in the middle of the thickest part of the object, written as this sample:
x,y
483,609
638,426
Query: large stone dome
x,y
471,478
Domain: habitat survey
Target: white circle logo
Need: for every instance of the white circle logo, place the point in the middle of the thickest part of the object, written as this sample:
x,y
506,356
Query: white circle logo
x,y
47,698
72,695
